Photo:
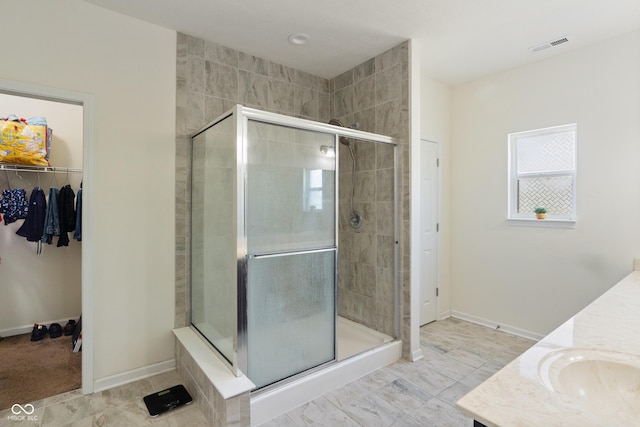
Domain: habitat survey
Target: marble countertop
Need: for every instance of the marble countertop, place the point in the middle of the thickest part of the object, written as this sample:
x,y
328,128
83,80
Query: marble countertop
x,y
521,393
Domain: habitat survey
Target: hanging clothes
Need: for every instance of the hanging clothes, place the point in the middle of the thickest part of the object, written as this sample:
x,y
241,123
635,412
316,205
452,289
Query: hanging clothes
x,y
51,219
14,205
33,225
66,214
78,233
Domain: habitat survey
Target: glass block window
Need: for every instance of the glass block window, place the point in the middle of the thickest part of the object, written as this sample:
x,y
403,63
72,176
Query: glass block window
x,y
542,172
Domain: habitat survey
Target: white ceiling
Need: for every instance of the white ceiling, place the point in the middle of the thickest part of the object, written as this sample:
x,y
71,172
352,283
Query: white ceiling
x,y
458,40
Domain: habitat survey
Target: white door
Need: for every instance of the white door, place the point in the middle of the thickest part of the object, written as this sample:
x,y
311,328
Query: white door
x,y
429,196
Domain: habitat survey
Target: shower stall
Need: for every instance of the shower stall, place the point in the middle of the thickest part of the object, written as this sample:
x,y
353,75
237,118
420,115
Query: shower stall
x,y
282,284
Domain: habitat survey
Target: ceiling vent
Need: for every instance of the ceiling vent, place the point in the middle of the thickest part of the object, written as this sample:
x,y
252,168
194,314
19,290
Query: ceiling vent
x,y
549,44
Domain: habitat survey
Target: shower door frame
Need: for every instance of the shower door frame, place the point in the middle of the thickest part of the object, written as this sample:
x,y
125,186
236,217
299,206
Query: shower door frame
x,y
241,116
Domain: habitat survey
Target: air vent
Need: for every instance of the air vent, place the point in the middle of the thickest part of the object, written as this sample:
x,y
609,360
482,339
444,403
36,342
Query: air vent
x,y
549,44
559,41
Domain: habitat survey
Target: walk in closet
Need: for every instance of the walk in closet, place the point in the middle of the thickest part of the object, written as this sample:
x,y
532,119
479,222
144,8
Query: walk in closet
x,y
41,282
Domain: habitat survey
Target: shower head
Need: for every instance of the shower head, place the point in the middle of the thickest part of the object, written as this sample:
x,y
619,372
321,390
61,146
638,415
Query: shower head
x,y
343,139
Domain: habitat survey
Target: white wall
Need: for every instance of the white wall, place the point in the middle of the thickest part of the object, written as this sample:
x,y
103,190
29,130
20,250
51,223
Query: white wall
x,y
129,67
535,278
41,287
435,119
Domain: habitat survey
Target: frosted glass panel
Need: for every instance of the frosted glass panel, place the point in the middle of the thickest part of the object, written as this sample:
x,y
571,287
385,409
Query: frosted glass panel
x,y
554,151
554,193
290,301
213,236
291,208
290,189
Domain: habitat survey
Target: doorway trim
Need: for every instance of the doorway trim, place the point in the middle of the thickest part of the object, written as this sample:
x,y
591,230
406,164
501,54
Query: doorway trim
x,y
87,102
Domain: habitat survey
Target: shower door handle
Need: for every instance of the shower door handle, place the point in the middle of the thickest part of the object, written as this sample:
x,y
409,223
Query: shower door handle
x,y
280,254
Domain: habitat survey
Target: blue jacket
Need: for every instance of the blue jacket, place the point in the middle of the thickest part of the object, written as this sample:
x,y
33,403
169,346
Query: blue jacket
x,y
51,220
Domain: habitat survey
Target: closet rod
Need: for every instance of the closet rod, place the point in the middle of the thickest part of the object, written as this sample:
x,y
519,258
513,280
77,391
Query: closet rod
x,y
38,169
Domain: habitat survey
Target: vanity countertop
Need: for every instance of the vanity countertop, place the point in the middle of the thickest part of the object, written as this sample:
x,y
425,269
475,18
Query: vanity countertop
x,y
523,394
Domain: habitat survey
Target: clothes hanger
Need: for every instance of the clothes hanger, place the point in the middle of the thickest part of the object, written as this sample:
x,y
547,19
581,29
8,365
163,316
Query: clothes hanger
x,y
22,179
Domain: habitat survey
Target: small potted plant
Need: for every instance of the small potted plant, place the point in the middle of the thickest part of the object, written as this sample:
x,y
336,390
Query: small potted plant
x,y
541,213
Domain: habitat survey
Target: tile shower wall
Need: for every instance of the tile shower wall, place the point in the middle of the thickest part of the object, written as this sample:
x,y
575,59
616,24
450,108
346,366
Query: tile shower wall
x,y
375,95
366,262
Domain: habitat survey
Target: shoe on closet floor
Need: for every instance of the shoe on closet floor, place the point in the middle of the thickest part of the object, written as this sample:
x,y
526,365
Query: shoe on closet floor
x,y
39,331
55,330
69,328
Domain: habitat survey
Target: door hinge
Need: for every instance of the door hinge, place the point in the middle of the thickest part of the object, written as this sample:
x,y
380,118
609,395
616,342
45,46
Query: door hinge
x,y
437,227
437,163
437,291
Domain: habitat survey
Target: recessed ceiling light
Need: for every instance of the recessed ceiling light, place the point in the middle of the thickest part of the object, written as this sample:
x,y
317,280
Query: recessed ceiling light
x,y
299,38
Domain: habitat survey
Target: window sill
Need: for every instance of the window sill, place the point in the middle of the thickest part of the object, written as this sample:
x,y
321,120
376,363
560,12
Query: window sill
x,y
549,223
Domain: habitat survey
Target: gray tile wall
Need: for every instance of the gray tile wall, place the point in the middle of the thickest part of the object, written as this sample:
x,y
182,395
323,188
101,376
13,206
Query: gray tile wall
x,y
366,273
219,411
375,94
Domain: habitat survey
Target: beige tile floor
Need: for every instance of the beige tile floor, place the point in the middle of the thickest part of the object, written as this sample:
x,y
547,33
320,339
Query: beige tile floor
x,y
120,406
457,356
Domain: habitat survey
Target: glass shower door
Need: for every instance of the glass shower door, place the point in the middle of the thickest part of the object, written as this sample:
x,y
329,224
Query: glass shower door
x,y
291,244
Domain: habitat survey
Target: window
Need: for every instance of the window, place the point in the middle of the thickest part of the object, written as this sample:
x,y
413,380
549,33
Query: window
x,y
542,173
312,190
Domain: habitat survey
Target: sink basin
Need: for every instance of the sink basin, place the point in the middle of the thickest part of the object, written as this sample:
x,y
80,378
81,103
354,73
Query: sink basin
x,y
603,383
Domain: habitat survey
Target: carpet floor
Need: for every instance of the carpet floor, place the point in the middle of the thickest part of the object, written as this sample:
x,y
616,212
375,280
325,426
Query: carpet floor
x,y
30,371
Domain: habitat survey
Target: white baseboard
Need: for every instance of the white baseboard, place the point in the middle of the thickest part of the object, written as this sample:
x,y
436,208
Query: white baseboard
x,y
417,355
133,375
494,325
444,315
26,329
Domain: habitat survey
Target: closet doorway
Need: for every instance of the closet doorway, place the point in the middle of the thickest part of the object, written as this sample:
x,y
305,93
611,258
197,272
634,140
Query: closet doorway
x,y
46,286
